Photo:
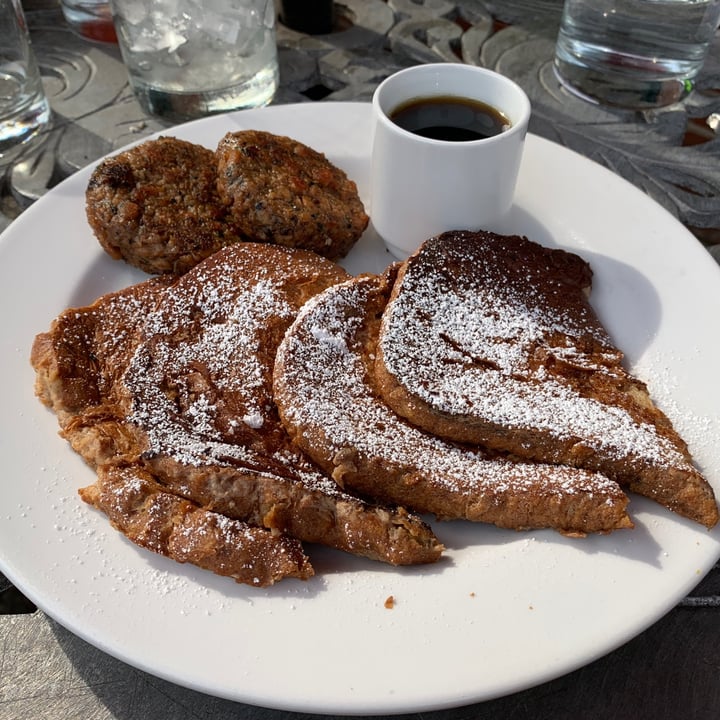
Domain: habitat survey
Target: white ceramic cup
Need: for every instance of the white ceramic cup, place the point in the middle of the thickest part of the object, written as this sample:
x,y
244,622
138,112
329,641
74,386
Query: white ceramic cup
x,y
420,186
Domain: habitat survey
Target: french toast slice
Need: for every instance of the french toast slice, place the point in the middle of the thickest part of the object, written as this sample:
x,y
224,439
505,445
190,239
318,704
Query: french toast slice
x,y
230,312
325,393
491,339
200,388
79,363
151,517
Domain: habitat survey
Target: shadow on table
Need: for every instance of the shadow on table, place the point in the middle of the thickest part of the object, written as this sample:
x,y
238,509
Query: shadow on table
x,y
13,602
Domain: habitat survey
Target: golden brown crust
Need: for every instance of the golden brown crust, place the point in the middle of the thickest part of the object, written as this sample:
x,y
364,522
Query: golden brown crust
x,y
201,388
156,206
316,511
327,402
491,340
282,191
223,320
155,519
79,364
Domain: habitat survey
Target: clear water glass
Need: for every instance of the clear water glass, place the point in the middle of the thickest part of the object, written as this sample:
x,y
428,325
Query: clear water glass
x,y
24,108
634,53
191,58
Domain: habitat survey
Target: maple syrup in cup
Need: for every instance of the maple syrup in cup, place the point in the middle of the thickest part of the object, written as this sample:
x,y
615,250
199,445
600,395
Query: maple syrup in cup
x,y
448,140
450,118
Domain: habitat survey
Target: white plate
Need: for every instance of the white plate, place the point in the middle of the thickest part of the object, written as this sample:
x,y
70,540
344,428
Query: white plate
x,y
501,612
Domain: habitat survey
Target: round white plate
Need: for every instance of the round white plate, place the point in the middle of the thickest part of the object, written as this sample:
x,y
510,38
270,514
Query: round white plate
x,y
502,611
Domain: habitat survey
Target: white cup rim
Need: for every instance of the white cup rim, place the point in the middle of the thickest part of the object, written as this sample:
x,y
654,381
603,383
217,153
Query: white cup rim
x,y
518,123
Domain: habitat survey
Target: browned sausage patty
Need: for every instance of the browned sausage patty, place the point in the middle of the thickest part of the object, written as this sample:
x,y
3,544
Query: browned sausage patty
x,y
281,191
157,207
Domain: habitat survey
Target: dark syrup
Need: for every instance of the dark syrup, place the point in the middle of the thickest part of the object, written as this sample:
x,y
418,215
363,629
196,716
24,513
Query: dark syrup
x,y
450,118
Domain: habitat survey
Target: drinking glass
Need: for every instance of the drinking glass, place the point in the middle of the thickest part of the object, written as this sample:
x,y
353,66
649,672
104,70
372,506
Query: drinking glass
x,y
634,53
24,109
90,18
190,58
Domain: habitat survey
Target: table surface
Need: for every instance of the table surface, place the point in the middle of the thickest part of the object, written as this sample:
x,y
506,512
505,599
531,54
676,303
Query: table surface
x,y
671,670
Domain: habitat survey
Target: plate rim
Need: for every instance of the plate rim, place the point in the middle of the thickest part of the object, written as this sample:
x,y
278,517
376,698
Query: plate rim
x,y
386,705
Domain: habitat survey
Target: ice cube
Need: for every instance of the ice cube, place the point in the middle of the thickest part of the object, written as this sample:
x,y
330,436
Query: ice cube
x,y
251,43
220,27
172,40
269,17
170,32
219,6
133,11
147,38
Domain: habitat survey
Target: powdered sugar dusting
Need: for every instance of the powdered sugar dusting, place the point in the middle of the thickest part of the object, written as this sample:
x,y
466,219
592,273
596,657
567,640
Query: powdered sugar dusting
x,y
202,360
325,387
699,430
201,383
481,348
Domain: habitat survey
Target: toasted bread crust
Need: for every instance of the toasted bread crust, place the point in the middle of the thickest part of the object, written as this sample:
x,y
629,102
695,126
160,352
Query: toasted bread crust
x,y
327,402
155,519
312,508
242,463
490,339
79,364
201,389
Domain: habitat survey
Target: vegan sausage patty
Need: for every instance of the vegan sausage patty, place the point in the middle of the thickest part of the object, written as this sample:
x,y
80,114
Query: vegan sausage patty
x,y
281,191
157,207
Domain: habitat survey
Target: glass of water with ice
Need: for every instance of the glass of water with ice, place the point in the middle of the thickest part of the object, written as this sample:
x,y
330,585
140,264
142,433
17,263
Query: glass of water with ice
x,y
191,58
